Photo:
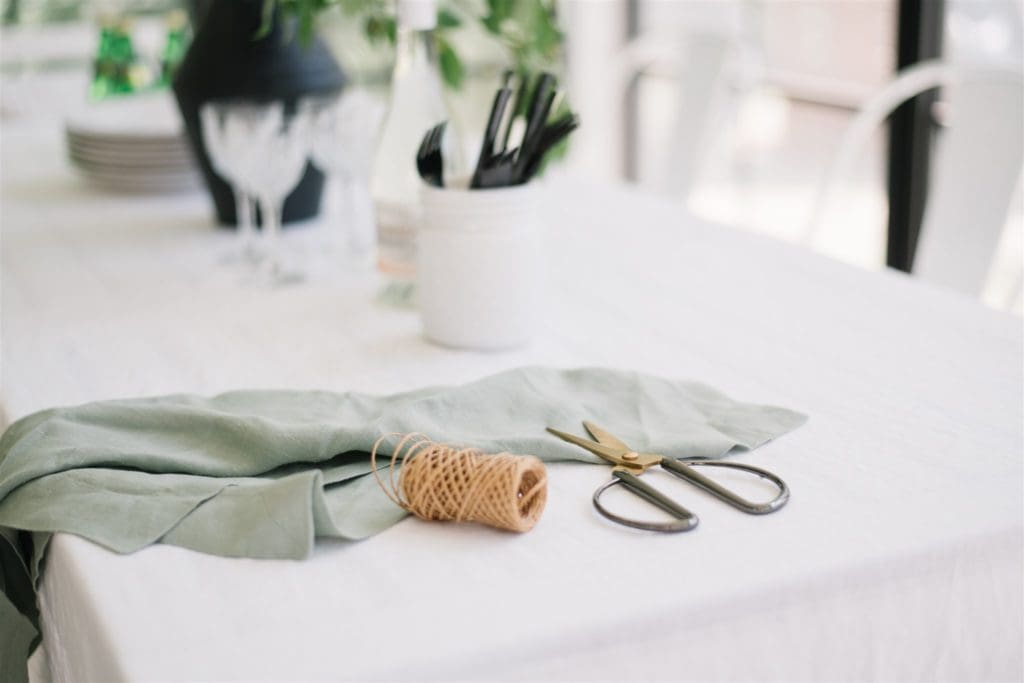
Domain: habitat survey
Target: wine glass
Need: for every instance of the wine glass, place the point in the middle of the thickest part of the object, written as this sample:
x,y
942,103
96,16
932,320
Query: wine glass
x,y
278,150
227,127
343,135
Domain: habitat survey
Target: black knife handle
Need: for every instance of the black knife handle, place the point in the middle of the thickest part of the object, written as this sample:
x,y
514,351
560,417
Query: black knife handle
x,y
491,133
549,137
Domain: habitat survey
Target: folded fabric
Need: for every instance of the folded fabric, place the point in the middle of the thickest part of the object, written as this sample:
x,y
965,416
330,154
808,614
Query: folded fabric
x,y
262,473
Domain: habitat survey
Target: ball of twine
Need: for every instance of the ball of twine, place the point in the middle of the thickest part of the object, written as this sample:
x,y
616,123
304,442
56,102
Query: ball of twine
x,y
441,482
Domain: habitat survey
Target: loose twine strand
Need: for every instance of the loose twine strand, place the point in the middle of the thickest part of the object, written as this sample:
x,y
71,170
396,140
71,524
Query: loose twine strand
x,y
441,482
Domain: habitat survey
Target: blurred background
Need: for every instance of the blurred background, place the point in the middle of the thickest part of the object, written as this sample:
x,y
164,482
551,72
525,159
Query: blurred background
x,y
738,109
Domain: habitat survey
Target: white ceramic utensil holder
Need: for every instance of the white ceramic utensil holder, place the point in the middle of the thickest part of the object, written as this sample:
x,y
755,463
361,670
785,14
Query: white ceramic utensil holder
x,y
479,266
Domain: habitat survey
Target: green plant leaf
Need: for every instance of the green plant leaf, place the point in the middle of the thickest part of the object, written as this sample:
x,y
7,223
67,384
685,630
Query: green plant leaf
x,y
448,19
527,29
498,11
266,19
379,29
452,70
307,17
391,29
356,7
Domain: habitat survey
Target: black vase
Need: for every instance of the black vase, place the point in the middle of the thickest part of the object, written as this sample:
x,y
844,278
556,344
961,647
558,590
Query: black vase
x,y
227,61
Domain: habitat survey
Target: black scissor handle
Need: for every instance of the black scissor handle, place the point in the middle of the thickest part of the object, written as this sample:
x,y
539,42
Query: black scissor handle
x,y
684,470
684,519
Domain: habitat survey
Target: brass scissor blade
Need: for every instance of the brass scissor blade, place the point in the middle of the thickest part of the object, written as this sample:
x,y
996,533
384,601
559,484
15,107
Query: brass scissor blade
x,y
605,438
609,453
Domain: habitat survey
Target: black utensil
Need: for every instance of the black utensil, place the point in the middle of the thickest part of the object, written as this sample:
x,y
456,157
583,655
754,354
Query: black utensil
x,y
536,116
487,151
518,87
429,161
499,167
499,172
534,129
549,137
545,84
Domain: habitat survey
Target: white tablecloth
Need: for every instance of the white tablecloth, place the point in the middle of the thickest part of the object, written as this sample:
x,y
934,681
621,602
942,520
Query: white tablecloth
x,y
899,556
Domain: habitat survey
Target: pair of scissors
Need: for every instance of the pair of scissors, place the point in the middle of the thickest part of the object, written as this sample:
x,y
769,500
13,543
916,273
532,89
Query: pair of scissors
x,y
628,464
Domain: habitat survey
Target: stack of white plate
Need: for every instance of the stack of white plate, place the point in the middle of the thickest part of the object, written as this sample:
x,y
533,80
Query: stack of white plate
x,y
134,143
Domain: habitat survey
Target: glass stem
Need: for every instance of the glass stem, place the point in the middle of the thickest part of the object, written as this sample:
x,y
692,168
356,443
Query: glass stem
x,y
272,234
243,212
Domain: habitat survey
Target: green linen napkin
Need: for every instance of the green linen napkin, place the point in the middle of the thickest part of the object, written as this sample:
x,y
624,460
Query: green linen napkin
x,y
262,473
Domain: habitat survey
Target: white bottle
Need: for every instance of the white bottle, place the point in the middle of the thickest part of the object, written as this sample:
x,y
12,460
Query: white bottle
x,y
417,105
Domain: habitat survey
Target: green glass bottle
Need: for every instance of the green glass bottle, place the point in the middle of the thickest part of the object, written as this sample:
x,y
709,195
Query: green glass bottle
x,y
175,46
122,53
103,75
116,69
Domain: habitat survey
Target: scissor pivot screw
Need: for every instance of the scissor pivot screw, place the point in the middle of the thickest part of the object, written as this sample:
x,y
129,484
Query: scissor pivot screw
x,y
630,456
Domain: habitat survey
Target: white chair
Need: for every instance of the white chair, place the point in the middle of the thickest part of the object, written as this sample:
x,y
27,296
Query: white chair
x,y
699,63
976,168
